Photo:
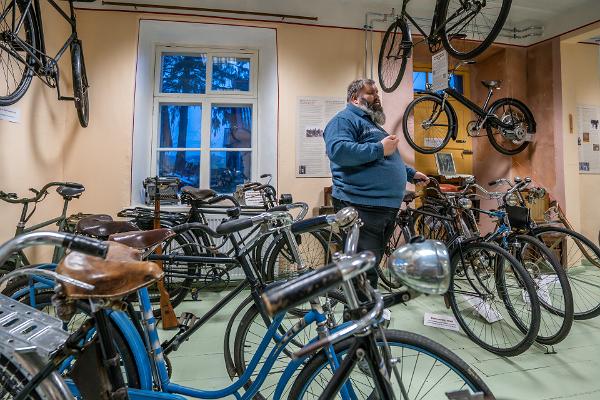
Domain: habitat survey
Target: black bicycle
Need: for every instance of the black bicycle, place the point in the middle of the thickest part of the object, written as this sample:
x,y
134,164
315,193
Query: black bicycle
x,y
23,54
465,28
430,121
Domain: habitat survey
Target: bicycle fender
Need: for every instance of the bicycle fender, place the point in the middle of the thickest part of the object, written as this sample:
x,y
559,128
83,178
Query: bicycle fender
x,y
229,363
136,345
528,112
454,133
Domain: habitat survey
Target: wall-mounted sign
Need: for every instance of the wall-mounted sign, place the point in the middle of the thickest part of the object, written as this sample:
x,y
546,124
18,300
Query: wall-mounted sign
x,y
313,115
588,139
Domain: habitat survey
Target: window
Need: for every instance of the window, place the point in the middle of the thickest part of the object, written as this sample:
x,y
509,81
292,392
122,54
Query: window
x,y
420,78
205,112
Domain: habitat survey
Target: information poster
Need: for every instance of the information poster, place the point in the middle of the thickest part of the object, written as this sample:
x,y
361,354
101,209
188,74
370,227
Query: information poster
x,y
313,115
439,71
588,139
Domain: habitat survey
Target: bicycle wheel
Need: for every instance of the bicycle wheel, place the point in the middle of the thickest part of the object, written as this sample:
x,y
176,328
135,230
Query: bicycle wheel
x,y
314,250
428,370
552,288
580,258
80,83
512,111
13,380
428,126
16,62
252,330
493,298
395,50
387,278
470,28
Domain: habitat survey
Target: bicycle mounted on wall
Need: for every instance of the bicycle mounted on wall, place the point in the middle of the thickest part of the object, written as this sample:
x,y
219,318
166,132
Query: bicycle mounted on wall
x,y
24,55
453,21
430,121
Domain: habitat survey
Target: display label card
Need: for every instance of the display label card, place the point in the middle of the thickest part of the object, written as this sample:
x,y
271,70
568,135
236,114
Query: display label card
x,y
10,114
253,198
441,321
439,71
484,308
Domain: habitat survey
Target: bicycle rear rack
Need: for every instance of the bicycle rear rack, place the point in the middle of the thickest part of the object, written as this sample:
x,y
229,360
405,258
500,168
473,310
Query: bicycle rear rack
x,y
24,328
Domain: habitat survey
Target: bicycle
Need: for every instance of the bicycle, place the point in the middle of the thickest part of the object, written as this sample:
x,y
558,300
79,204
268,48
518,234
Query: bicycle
x,y
24,55
90,349
491,294
67,190
452,20
513,233
430,121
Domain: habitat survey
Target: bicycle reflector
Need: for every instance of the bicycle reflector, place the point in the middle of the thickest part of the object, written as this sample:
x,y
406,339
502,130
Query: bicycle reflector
x,y
423,265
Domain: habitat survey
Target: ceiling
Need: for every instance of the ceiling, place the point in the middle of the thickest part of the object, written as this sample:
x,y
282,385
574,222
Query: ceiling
x,y
549,17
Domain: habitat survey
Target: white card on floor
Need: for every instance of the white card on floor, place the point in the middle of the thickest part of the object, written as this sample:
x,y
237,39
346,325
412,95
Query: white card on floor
x,y
441,321
483,308
10,114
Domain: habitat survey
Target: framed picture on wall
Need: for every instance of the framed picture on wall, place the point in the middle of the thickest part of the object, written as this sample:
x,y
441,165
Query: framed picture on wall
x,y
445,164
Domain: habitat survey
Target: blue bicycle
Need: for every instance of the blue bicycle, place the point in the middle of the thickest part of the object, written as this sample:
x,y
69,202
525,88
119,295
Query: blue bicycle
x,y
434,371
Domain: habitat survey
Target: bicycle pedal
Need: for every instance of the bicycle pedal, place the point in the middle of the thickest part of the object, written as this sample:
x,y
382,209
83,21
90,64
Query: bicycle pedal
x,y
187,319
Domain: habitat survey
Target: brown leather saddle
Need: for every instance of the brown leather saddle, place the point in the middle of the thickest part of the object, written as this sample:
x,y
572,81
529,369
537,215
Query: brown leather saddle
x,y
121,273
102,226
491,84
198,194
142,239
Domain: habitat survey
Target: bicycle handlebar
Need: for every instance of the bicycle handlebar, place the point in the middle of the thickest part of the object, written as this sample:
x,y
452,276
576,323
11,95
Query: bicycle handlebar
x,y
14,199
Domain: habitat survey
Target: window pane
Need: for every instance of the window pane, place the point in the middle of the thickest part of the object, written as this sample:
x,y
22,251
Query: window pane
x,y
183,73
419,80
456,82
231,73
184,165
229,169
180,125
231,126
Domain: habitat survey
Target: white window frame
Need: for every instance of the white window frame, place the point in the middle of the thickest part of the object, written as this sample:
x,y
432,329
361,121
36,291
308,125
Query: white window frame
x,y
206,100
154,33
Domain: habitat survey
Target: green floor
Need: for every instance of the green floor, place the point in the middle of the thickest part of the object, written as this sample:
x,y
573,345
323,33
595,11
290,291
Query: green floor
x,y
572,373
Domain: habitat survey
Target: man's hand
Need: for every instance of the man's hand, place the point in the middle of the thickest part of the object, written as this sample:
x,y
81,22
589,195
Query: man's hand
x,y
420,178
390,145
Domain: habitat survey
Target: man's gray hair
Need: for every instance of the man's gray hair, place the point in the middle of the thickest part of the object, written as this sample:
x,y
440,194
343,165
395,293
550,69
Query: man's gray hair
x,y
356,86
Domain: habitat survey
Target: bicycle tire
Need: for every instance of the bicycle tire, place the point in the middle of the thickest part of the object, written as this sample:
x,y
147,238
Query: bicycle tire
x,y
483,281
178,290
44,299
525,118
555,321
13,379
410,343
384,273
243,349
313,248
582,271
80,84
484,42
389,70
424,102
29,37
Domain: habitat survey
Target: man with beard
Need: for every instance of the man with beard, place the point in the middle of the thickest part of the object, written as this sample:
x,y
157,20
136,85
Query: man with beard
x,y
367,170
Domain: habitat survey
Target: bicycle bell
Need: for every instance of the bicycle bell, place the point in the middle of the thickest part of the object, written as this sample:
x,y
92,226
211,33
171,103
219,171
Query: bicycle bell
x,y
424,265
346,217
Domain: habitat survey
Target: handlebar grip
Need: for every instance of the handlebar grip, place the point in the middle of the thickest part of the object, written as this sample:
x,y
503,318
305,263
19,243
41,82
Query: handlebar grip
x,y
234,225
283,207
494,182
87,245
310,224
297,291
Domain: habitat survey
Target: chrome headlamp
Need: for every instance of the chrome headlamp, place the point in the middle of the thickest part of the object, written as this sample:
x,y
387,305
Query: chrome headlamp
x,y
346,217
512,199
423,265
465,203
